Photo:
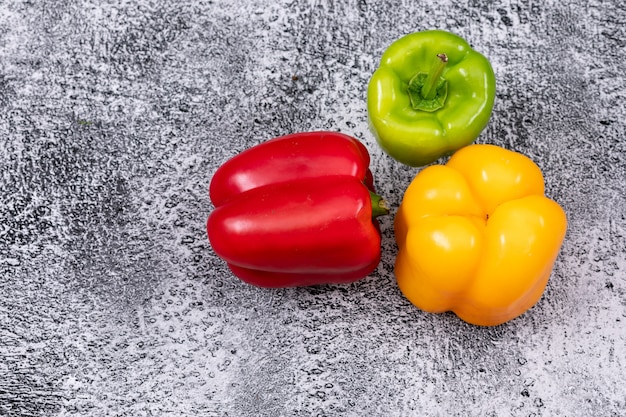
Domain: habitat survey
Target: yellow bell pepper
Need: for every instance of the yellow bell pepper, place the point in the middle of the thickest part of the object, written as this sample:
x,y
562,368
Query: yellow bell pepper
x,y
477,236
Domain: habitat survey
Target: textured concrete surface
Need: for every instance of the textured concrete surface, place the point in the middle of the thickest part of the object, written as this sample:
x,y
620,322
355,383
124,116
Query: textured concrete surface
x,y
113,117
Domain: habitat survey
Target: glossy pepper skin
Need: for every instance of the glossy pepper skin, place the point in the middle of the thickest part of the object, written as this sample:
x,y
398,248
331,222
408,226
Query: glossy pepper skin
x,y
416,130
477,236
297,210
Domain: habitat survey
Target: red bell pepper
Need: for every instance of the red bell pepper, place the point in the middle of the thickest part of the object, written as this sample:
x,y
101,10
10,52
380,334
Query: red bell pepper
x,y
297,210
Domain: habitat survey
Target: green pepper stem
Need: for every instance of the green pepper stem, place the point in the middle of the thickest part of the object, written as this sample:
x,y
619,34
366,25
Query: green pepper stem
x,y
379,205
429,89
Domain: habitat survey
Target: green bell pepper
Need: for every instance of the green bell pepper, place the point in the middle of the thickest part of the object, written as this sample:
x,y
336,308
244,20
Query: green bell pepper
x,y
431,95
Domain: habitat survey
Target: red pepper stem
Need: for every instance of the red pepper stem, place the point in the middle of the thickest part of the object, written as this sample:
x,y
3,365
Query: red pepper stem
x,y
379,205
429,90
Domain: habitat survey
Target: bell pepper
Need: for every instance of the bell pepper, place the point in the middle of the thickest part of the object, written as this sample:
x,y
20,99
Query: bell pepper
x,y
477,236
431,95
297,210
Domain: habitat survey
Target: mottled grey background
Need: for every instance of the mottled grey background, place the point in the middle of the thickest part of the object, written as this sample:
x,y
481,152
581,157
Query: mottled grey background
x,y
113,117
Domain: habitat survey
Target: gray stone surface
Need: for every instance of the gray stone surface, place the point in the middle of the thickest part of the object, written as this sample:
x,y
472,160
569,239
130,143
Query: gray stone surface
x,y
113,117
